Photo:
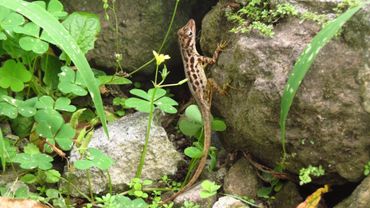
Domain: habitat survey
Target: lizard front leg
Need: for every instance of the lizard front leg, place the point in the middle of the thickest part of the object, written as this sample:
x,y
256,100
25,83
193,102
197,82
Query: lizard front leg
x,y
217,52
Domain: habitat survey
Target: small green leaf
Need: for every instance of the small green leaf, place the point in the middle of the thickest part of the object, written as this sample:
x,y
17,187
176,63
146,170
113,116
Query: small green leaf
x,y
193,152
218,125
71,82
189,127
13,74
52,193
140,93
33,44
56,9
83,164
101,160
63,104
32,158
192,112
138,104
29,178
209,189
52,176
9,20
264,192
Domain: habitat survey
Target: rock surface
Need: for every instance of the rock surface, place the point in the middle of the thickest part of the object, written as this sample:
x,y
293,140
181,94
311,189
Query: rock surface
x,y
287,197
229,202
124,146
242,180
360,198
141,28
193,195
328,123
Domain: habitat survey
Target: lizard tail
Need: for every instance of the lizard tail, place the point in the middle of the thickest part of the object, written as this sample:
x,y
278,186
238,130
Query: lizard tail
x,y
206,115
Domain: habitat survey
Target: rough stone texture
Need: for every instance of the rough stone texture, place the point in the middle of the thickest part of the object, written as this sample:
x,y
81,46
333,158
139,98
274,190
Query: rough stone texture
x,y
229,202
328,123
141,28
242,180
360,198
193,196
124,146
287,197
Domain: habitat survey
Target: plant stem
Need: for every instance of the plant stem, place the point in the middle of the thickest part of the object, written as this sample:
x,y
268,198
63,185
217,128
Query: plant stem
x,y
147,135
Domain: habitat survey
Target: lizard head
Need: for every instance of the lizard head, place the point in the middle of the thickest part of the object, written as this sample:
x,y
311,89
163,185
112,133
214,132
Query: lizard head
x,y
186,34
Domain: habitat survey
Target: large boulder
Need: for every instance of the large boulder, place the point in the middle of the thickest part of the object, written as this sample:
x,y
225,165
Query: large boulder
x,y
141,26
329,122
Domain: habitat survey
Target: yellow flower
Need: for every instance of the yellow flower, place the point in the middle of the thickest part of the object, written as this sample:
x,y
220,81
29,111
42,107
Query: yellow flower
x,y
160,58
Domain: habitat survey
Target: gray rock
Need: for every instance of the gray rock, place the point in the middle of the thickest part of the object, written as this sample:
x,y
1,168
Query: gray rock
x,y
194,196
141,28
124,146
287,197
328,123
242,180
229,202
360,198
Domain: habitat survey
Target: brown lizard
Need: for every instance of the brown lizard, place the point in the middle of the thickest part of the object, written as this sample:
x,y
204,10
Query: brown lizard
x,y
200,88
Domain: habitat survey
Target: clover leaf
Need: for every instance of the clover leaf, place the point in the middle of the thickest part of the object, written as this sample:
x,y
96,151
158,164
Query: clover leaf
x,y
32,42
56,9
94,158
61,104
32,158
192,123
11,107
14,74
71,82
9,20
50,125
143,103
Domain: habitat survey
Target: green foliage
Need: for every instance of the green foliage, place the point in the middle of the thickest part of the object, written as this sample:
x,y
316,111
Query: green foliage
x,y
367,169
304,63
55,33
306,173
189,204
275,184
70,81
32,158
94,158
51,125
259,15
118,201
13,74
7,151
143,103
209,189
137,186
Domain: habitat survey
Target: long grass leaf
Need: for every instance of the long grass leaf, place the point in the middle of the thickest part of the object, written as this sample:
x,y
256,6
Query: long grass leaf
x,y
303,64
65,41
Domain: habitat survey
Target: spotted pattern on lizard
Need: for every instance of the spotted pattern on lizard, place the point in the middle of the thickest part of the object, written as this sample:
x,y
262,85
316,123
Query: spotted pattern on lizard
x,y
200,87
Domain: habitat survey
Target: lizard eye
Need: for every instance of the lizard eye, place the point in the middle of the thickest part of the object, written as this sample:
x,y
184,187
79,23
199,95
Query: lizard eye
x,y
189,33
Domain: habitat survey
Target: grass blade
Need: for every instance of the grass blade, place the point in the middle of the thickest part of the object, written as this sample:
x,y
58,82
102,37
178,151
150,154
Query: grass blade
x,y
303,64
63,40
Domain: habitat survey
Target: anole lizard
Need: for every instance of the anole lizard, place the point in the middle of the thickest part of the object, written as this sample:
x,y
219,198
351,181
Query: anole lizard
x,y
200,87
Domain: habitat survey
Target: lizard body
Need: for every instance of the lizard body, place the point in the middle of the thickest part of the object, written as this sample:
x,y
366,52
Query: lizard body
x,y
200,87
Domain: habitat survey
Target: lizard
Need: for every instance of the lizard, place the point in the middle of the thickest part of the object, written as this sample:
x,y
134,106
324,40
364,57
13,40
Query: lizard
x,y
200,88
